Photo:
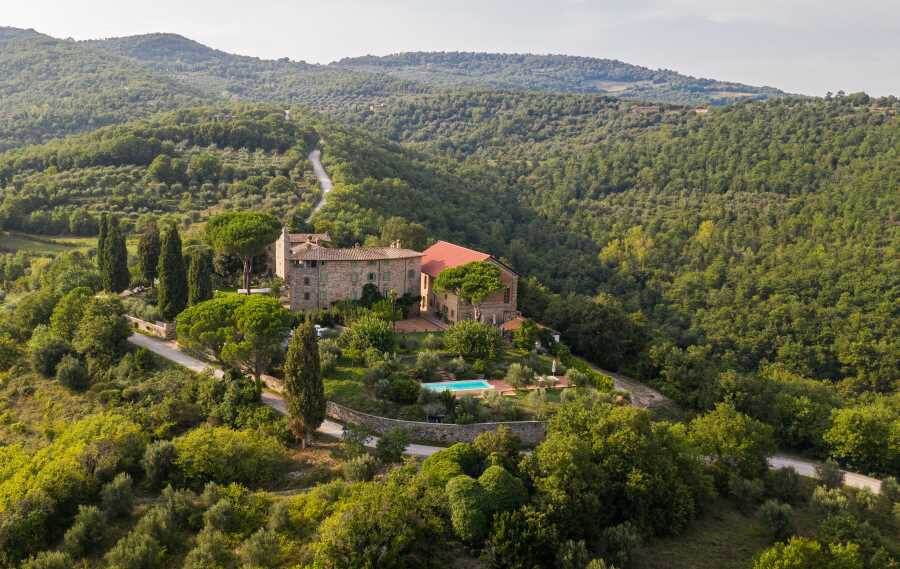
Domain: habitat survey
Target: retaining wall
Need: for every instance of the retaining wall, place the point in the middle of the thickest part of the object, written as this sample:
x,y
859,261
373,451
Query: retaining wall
x,y
530,432
164,330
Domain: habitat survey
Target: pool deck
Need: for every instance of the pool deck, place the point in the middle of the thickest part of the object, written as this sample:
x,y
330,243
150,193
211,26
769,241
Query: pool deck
x,y
504,388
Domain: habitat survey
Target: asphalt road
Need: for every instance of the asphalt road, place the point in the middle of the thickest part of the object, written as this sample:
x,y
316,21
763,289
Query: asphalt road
x,y
170,351
315,157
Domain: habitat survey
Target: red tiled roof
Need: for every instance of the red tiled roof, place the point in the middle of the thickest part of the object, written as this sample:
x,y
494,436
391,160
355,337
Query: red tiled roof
x,y
443,255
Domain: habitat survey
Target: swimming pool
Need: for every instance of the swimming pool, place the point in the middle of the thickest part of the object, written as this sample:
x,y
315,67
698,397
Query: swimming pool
x,y
474,385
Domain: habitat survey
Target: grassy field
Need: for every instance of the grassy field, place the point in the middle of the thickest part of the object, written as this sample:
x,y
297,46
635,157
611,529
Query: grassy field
x,y
724,538
12,241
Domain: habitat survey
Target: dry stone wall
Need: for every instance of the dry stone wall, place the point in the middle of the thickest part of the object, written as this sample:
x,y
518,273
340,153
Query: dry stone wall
x,y
530,432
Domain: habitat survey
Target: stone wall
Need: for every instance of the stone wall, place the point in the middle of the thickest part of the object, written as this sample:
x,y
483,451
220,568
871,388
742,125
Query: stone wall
x,y
530,432
164,330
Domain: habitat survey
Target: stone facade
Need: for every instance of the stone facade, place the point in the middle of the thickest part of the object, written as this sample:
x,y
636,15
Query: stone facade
x,y
531,433
496,309
317,275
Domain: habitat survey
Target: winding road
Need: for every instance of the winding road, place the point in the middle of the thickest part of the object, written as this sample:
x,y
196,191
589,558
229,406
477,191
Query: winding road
x,y
171,352
315,158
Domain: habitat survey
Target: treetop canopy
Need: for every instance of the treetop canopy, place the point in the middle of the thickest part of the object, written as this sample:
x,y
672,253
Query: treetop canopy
x,y
242,233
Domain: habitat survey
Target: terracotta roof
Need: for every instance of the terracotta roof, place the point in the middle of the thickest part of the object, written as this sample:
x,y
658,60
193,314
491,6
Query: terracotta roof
x,y
443,255
516,323
307,237
310,252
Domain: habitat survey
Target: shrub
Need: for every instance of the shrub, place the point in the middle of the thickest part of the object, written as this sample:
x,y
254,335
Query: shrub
x,y
49,560
522,538
373,357
501,442
503,491
519,376
404,390
472,339
86,532
159,462
212,550
327,362
457,459
619,542
778,518
467,410
221,516
71,373
221,454
459,368
353,441
427,363
369,332
746,492
433,342
469,510
830,474
137,550
785,485
262,549
361,468
46,350
829,500
572,555
117,496
391,445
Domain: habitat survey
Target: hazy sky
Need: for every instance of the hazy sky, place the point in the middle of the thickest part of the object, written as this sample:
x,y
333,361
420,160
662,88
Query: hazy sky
x,y
805,46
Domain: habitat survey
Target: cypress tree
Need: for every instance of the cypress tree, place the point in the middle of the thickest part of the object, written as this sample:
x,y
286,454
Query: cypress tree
x,y
199,276
148,254
171,293
303,389
115,273
101,242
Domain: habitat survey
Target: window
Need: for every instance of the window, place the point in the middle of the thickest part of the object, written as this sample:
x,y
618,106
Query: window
x,y
310,264
411,274
371,277
354,294
323,263
354,264
354,278
386,277
506,295
371,263
323,277
305,281
452,315
305,296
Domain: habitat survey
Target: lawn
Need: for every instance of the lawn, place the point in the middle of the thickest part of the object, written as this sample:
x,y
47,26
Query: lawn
x,y
43,245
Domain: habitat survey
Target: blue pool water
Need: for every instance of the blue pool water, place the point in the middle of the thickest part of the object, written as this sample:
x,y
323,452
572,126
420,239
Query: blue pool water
x,y
457,385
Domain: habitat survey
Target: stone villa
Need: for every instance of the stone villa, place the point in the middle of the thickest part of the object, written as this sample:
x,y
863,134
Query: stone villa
x,y
317,275
496,309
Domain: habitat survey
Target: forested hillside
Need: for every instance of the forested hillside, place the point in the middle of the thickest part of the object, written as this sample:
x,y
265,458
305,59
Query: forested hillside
x,y
51,87
558,73
227,76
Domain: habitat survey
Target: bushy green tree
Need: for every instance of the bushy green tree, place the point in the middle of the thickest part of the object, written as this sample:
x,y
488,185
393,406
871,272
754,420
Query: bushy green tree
x,y
778,518
521,539
260,326
244,234
867,436
303,388
117,496
369,332
471,339
736,444
46,350
171,292
805,553
220,454
86,533
469,509
102,334
71,373
68,312
391,446
49,560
